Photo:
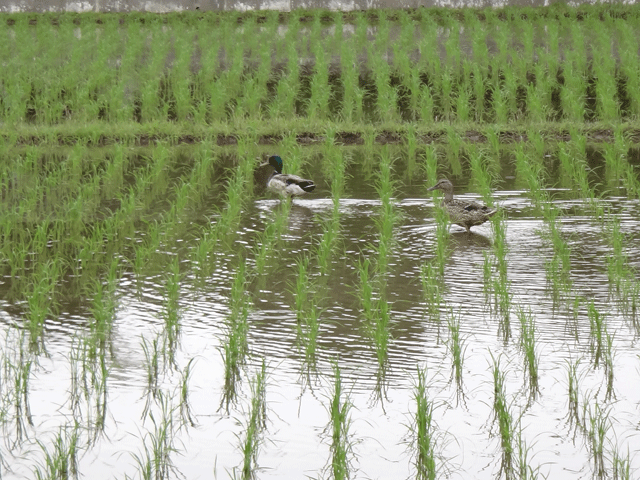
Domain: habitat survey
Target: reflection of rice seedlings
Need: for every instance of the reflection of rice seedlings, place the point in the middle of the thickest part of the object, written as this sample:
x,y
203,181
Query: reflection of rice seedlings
x,y
339,425
528,346
255,425
558,268
62,460
502,416
422,430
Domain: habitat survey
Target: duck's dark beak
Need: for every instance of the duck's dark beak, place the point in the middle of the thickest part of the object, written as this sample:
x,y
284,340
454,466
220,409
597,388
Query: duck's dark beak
x,y
432,188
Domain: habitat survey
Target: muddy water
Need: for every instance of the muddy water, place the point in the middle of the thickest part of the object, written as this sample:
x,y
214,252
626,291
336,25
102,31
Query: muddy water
x,y
297,438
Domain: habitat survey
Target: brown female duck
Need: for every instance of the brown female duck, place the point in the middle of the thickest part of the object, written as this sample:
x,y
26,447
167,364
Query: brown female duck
x,y
465,213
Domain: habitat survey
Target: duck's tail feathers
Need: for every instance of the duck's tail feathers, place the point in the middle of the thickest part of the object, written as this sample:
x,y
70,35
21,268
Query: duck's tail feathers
x,y
306,185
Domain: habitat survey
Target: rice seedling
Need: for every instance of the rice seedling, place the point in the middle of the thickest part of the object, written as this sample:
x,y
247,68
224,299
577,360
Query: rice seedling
x,y
155,461
504,420
432,288
456,347
62,460
266,241
528,347
40,300
339,425
423,430
598,425
171,311
388,214
17,370
255,426
235,348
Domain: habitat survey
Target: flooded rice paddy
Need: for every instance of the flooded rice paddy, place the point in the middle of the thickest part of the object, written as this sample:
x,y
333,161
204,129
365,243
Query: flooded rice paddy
x,y
159,360
163,316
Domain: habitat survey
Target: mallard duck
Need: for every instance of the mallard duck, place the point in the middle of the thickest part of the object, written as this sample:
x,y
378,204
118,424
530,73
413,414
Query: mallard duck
x,y
286,185
465,213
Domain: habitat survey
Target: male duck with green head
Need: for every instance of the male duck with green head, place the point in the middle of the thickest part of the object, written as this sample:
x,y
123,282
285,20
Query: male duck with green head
x,y
285,184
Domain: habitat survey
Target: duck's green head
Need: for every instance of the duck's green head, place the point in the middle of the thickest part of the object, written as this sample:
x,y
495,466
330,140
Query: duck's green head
x,y
276,162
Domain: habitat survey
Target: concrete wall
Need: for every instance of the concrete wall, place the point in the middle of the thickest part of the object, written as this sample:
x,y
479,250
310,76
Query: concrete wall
x,y
164,6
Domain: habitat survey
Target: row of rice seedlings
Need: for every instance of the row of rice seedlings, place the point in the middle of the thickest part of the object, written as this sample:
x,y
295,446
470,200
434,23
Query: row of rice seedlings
x,y
517,82
339,428
629,68
255,426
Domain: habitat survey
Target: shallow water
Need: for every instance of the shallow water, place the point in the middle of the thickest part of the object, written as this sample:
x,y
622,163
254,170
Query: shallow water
x,y
297,438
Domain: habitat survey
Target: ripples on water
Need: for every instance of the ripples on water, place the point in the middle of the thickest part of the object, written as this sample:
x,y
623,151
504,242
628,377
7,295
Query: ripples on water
x,y
297,439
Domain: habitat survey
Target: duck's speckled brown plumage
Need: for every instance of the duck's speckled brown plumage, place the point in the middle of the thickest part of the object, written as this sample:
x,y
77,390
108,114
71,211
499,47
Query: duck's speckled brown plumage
x,y
465,213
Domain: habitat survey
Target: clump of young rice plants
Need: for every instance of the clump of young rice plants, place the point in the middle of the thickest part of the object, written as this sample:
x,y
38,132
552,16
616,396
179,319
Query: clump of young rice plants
x,y
171,311
16,364
423,430
456,347
598,425
388,215
558,268
339,424
528,347
495,273
62,460
155,461
601,345
266,241
255,425
40,299
235,347
307,313
432,286
504,420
